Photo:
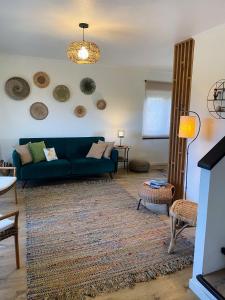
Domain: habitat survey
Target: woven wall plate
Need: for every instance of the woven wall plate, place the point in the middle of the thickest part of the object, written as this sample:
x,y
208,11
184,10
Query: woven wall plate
x,y
17,88
87,86
61,93
41,79
80,111
39,111
101,104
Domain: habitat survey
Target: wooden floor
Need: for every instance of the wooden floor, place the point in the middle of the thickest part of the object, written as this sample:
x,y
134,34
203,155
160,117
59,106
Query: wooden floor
x,y
13,282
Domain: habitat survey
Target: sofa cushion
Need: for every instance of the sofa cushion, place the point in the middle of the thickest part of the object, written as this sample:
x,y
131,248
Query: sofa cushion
x,y
108,149
89,166
50,154
24,154
79,147
96,150
37,152
66,147
58,143
46,169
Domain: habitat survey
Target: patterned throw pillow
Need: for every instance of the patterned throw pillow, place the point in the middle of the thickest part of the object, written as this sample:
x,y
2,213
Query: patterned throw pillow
x,y
37,152
108,149
50,154
24,153
96,151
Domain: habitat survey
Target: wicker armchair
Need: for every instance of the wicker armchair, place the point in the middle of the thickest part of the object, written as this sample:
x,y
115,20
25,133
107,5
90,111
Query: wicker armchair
x,y
8,182
9,228
183,214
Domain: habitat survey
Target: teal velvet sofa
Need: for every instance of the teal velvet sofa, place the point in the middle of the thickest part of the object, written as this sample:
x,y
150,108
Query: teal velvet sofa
x,y
72,161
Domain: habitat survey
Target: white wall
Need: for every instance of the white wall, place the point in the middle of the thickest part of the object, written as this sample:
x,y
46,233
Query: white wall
x,y
209,236
209,66
122,88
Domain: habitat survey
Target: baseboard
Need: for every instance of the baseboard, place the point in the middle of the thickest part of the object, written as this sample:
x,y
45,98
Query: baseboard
x,y
155,166
199,290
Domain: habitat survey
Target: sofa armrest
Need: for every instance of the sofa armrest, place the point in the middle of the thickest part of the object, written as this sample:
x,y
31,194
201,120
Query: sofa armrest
x,y
16,163
114,158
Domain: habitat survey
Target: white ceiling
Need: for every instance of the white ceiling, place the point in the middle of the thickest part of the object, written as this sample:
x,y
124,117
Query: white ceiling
x,y
128,32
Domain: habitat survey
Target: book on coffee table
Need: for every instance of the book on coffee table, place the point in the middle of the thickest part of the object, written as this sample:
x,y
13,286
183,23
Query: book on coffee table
x,y
156,183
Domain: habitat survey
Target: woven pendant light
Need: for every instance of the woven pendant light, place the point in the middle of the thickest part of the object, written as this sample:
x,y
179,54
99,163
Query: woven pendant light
x,y
83,52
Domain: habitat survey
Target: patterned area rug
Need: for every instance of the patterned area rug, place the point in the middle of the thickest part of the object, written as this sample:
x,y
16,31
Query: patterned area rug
x,y
84,238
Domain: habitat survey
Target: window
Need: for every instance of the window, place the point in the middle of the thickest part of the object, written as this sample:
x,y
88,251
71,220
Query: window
x,y
156,111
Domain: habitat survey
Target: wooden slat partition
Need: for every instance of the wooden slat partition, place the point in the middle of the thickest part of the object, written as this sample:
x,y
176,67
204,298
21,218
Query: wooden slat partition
x,y
182,74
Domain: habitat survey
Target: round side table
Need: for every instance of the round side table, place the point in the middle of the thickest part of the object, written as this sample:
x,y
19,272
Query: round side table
x,y
163,195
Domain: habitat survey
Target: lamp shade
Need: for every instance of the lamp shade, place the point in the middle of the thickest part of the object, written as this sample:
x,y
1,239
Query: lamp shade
x,y
121,133
187,127
83,52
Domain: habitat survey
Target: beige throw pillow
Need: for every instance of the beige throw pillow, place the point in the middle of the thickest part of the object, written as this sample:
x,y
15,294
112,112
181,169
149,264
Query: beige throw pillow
x,y
96,151
108,149
24,154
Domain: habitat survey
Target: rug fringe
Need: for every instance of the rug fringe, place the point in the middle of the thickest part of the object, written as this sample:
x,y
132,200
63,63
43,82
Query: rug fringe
x,y
122,281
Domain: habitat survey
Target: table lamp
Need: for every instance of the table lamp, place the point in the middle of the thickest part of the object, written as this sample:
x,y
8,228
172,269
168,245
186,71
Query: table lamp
x,y
121,136
187,130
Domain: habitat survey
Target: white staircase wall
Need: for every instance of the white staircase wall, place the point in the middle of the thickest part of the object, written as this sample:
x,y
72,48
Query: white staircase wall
x,y
210,232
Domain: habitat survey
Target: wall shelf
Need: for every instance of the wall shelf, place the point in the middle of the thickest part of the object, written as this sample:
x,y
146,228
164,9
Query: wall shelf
x,y
216,100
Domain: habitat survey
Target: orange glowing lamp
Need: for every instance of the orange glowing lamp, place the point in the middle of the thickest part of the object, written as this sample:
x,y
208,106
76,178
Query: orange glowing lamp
x,y
187,128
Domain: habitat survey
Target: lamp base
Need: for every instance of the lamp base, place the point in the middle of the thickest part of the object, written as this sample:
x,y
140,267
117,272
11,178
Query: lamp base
x,y
120,142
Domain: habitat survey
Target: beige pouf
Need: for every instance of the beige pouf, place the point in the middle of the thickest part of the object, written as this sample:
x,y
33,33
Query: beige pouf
x,y
137,165
163,195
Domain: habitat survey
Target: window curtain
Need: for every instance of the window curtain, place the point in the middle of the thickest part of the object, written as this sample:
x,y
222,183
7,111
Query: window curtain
x,y
157,109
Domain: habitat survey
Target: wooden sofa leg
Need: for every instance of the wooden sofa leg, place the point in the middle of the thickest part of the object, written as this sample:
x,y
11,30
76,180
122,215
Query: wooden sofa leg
x,y
24,184
173,235
17,251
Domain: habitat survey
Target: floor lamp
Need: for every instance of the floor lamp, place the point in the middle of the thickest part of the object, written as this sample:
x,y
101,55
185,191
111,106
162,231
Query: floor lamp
x,y
187,130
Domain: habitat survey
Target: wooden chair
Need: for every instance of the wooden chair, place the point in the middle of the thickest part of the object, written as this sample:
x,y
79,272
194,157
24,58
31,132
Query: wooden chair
x,y
9,228
8,182
183,214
